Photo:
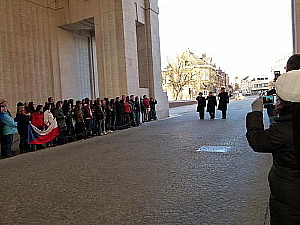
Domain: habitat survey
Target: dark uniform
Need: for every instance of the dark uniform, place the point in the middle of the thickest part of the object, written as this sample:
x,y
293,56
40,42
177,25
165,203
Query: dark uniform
x,y
201,106
211,106
223,101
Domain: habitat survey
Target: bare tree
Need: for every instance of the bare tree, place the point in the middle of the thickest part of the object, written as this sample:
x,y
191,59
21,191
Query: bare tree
x,y
180,72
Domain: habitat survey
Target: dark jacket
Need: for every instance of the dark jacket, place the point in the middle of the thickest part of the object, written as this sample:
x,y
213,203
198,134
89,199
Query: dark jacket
x,y
284,176
60,118
119,108
211,103
23,122
137,106
270,110
223,100
99,113
201,103
152,104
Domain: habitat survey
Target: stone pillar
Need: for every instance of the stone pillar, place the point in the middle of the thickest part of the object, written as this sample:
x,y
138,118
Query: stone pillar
x,y
110,49
154,58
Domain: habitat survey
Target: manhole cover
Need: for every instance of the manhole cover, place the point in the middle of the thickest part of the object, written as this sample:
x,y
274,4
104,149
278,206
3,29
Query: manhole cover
x,y
220,149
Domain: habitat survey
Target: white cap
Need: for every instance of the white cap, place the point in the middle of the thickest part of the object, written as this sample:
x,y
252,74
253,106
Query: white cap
x,y
288,86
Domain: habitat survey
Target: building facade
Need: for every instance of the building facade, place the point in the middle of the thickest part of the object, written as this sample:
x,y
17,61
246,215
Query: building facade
x,y
253,85
80,48
199,74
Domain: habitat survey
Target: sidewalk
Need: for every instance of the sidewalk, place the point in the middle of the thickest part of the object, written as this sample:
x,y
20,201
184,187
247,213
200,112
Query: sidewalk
x,y
177,103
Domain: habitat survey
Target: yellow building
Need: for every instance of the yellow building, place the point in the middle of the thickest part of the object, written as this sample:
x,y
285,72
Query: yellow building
x,y
202,76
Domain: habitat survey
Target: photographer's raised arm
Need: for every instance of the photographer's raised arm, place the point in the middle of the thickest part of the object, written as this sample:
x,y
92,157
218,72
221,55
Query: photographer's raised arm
x,y
261,140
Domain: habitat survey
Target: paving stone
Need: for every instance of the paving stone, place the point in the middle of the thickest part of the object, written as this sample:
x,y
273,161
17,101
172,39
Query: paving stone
x,y
150,174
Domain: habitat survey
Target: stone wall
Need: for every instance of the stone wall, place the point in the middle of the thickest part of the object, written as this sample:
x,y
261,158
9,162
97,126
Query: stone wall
x,y
47,50
25,52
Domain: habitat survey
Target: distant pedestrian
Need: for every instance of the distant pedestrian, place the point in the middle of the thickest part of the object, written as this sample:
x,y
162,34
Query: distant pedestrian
x,y
99,117
23,119
127,112
133,113
201,105
113,114
88,117
137,111
119,113
79,121
223,101
147,107
143,109
211,105
152,112
61,123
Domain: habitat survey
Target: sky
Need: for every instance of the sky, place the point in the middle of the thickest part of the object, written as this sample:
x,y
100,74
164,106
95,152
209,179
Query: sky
x,y
244,37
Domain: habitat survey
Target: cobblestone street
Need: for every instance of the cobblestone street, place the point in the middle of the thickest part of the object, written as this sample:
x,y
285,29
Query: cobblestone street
x,y
151,174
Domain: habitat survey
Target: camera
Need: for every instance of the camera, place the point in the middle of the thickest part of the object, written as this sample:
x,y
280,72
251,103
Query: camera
x,y
268,100
276,75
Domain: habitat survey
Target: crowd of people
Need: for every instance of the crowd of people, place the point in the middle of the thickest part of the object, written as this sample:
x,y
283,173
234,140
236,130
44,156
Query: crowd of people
x,y
75,120
212,103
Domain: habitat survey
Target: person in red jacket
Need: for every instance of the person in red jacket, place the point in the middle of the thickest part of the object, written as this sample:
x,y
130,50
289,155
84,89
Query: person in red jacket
x,y
127,112
147,107
37,120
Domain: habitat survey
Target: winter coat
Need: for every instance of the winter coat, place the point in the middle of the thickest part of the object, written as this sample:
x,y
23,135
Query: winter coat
x,y
37,119
146,102
152,104
132,104
23,122
78,116
9,125
99,114
87,112
223,101
137,106
119,108
127,107
48,118
284,176
201,103
211,103
60,118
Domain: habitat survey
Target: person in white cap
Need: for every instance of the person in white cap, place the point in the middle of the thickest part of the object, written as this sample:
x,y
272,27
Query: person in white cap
x,y
282,139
